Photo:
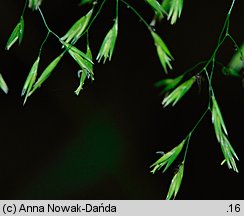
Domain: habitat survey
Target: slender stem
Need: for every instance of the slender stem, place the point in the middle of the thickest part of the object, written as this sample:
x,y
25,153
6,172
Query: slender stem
x,y
117,9
44,20
94,18
43,43
187,146
136,13
199,121
194,67
206,72
45,23
231,7
220,42
194,128
211,92
211,60
26,2
224,28
235,44
228,25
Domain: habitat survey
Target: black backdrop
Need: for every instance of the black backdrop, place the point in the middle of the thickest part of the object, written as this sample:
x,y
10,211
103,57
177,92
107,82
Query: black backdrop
x,y
100,145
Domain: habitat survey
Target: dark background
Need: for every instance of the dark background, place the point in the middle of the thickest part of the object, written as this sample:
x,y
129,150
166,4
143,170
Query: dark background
x,y
101,144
